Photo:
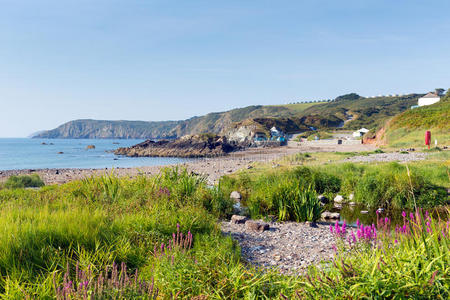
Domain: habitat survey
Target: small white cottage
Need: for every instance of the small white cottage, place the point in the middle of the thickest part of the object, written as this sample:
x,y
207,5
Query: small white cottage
x,y
429,99
360,132
275,132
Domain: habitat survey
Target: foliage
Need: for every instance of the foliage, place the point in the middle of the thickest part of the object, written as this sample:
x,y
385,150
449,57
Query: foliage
x,y
351,96
389,185
122,238
24,181
408,129
377,262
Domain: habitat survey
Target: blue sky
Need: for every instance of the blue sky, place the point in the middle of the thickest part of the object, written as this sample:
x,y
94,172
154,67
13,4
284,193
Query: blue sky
x,y
159,60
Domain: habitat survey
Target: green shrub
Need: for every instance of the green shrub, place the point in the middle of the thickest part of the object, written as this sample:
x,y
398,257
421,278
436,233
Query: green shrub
x,y
393,186
290,200
24,181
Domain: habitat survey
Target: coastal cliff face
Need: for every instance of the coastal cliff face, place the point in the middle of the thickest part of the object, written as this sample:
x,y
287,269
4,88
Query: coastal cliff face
x,y
203,145
95,129
212,122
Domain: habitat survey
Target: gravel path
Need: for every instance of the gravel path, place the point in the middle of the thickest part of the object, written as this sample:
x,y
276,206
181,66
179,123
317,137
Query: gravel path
x,y
384,157
291,247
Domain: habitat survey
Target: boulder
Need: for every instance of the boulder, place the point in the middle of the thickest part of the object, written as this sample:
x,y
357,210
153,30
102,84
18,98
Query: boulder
x,y
323,199
326,215
235,219
338,199
256,226
235,195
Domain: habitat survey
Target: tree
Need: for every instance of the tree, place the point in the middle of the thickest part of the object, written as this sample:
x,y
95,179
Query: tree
x,y
439,91
351,96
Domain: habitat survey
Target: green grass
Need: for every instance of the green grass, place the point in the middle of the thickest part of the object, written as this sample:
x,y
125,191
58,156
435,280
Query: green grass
x,y
92,224
388,185
299,107
408,129
23,181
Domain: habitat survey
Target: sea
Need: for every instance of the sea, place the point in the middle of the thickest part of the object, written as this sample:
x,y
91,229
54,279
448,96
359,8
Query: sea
x,y
27,153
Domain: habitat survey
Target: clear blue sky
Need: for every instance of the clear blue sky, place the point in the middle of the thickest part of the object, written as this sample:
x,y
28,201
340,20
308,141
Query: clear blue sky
x,y
157,60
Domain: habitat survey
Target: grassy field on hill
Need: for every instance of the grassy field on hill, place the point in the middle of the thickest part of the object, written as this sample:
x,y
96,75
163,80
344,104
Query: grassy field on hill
x,y
408,129
366,112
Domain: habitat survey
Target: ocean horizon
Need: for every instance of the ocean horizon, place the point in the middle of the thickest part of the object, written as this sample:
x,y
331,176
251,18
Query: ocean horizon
x,y
28,153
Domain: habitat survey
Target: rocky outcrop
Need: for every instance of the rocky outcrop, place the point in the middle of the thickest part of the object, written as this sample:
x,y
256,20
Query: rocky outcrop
x,y
236,219
256,226
203,145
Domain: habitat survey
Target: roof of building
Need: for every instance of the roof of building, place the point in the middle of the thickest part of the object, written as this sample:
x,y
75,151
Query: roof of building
x,y
431,95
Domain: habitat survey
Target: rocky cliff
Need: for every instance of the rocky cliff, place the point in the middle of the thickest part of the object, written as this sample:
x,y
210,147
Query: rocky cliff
x,y
99,129
203,145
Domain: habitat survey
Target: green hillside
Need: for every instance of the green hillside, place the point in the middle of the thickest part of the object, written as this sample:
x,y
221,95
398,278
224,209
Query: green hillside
x,y
408,129
348,112
212,122
365,112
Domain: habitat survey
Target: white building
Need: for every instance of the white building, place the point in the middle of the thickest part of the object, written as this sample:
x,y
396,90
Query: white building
x,y
276,132
429,99
360,132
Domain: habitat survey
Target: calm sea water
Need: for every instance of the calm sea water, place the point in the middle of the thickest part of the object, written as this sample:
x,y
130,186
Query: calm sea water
x,y
18,153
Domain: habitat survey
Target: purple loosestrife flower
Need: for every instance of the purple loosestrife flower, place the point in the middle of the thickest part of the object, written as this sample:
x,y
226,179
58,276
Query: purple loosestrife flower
x,y
357,223
403,214
353,237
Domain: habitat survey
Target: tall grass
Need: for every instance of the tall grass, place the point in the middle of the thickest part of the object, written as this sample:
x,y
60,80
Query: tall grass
x,y
119,238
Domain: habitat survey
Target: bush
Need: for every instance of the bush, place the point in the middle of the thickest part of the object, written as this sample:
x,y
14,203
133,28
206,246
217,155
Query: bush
x,y
394,186
24,181
290,200
322,182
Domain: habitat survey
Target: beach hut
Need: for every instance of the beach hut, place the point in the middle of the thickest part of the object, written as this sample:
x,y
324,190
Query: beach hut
x,y
360,132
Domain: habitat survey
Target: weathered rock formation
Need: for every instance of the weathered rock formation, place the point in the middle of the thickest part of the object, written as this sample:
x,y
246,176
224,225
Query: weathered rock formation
x,y
203,145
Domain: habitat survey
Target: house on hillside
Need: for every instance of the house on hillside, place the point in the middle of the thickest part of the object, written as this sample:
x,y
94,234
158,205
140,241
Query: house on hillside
x,y
360,132
275,132
259,137
429,99
277,135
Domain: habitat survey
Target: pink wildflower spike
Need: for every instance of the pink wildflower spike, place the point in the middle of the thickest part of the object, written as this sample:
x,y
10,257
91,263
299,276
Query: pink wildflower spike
x,y
411,216
357,222
344,227
336,227
396,241
353,237
331,228
403,214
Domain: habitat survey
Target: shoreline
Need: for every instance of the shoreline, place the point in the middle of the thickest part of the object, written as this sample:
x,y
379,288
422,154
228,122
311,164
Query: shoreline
x,y
212,168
